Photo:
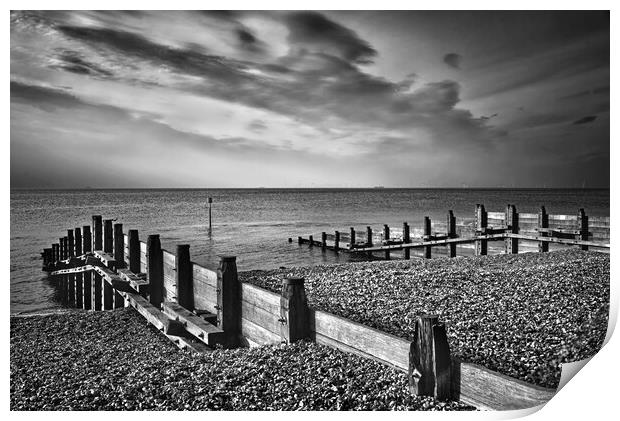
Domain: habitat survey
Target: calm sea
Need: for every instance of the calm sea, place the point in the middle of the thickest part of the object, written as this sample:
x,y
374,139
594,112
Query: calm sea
x,y
253,224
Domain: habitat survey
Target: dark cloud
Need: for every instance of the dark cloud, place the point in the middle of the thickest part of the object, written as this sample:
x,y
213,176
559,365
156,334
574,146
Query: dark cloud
x,y
72,61
453,60
183,60
248,41
42,97
314,30
585,120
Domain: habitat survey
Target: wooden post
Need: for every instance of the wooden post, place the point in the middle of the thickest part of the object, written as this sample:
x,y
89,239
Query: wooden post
x,y
582,221
71,290
108,292
543,222
337,241
368,237
229,299
352,238
323,240
88,291
429,359
294,311
311,240
299,240
79,290
63,288
97,291
480,224
78,241
406,240
512,223
108,239
451,234
119,246
427,237
386,237
134,251
210,202
55,253
155,269
70,243
87,241
117,300
65,248
97,233
184,279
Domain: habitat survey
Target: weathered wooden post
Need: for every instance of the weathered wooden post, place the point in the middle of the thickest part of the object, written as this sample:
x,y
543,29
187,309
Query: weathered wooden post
x,y
97,233
429,359
79,288
512,223
108,295
480,228
582,222
96,286
229,299
119,246
155,269
294,311
386,237
108,239
88,291
70,243
323,240
299,240
336,241
65,248
71,290
543,222
368,237
184,279
55,253
210,202
451,234
427,237
311,240
352,238
406,239
78,241
134,251
87,241
117,300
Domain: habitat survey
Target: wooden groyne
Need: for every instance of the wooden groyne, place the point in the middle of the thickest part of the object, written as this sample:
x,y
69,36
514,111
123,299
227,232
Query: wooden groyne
x,y
507,232
99,267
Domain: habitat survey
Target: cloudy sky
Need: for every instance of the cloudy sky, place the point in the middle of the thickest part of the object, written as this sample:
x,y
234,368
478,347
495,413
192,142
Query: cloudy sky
x,y
309,99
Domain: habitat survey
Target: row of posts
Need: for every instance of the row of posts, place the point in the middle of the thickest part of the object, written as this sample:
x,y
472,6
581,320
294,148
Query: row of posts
x,y
88,290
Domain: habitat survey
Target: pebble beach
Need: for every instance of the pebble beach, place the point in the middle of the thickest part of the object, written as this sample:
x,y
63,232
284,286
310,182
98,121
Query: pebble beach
x,y
521,315
114,360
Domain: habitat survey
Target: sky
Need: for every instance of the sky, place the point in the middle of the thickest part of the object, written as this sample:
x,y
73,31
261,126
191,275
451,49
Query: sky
x,y
309,99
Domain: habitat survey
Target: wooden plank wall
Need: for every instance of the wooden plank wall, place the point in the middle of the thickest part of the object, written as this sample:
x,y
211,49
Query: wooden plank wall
x,y
260,315
170,281
205,288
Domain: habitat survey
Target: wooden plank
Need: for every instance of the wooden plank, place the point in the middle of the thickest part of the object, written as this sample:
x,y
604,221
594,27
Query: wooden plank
x,y
528,216
486,389
599,221
254,295
257,334
204,275
496,215
570,218
382,346
261,317
153,315
206,332
205,297
559,240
